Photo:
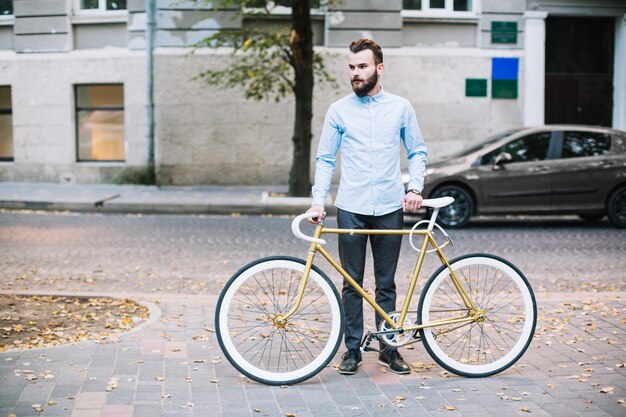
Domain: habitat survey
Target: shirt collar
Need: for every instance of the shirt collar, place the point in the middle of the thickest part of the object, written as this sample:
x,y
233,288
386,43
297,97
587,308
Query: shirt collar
x,y
376,97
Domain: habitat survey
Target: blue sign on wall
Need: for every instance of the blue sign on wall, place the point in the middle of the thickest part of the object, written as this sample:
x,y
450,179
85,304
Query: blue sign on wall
x,y
504,77
504,68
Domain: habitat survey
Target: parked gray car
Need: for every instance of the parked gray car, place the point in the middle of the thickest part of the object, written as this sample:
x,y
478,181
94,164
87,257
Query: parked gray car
x,y
554,169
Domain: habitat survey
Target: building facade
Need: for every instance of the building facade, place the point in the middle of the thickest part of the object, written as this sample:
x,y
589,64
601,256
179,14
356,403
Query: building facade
x,y
81,102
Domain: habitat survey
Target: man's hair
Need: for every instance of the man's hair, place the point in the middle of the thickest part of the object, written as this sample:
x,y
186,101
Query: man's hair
x,y
363,44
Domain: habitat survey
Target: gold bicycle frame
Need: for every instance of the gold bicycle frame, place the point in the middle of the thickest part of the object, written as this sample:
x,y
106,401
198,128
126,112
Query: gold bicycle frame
x,y
473,314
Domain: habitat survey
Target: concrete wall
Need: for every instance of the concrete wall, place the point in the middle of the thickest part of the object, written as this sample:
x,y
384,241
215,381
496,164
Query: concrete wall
x,y
209,135
44,132
41,26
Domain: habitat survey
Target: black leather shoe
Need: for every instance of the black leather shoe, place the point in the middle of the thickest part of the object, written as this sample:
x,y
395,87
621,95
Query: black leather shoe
x,y
351,361
394,361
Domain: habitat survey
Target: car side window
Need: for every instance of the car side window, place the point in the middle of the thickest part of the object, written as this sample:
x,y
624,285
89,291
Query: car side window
x,y
580,144
528,148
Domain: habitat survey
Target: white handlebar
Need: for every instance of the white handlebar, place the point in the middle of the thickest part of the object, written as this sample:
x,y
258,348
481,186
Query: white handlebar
x,y
295,228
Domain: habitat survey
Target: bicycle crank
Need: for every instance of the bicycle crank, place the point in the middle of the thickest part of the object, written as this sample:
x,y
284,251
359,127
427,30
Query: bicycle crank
x,y
397,337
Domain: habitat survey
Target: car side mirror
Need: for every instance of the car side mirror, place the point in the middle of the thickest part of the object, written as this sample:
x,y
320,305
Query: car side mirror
x,y
503,158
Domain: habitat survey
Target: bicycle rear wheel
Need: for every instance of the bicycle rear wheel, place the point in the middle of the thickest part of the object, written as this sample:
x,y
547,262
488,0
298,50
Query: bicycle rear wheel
x,y
267,351
482,347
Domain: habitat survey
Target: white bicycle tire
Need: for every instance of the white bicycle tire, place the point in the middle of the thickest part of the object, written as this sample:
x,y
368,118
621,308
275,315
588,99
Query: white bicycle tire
x,y
229,347
525,335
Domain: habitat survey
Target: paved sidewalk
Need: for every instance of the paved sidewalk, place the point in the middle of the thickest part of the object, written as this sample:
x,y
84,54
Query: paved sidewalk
x,y
108,198
172,366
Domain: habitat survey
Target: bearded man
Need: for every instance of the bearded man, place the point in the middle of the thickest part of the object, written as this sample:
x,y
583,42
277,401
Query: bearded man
x,y
368,126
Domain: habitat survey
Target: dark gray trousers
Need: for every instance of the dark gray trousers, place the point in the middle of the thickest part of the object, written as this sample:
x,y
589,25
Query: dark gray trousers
x,y
352,252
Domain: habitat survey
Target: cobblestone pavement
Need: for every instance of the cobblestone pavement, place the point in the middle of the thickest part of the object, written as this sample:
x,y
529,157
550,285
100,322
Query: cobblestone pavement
x,y
172,366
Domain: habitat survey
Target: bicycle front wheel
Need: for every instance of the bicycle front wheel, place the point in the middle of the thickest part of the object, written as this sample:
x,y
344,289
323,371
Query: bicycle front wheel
x,y
500,337
261,347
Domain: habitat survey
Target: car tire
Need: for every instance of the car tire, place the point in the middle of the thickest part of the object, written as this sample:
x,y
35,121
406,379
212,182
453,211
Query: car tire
x,y
616,207
457,214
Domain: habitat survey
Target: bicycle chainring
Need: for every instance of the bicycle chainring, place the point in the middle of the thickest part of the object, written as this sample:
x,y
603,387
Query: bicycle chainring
x,y
396,339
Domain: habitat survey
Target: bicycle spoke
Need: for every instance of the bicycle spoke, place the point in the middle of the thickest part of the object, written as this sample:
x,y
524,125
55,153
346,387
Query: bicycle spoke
x,y
479,347
263,345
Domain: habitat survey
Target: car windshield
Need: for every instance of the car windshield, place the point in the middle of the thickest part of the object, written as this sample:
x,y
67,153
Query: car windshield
x,y
484,143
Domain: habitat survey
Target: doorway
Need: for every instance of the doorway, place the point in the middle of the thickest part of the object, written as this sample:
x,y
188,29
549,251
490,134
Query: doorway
x,y
579,70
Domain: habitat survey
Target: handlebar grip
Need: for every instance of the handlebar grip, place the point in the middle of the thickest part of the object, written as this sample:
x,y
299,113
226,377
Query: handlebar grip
x,y
295,228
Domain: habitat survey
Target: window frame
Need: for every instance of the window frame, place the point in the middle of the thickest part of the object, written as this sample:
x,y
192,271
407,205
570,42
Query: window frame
x,y
100,11
9,111
78,108
446,13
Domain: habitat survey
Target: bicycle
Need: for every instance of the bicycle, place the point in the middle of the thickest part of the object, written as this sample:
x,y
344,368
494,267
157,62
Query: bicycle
x,y
279,319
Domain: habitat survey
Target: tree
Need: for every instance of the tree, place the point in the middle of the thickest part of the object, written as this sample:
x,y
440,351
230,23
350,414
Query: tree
x,y
274,63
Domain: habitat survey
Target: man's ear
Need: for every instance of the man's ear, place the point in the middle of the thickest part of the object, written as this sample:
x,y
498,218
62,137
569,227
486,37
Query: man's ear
x,y
380,68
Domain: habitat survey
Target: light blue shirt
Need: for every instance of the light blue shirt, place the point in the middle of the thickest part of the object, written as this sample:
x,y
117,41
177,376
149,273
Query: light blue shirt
x,y
369,131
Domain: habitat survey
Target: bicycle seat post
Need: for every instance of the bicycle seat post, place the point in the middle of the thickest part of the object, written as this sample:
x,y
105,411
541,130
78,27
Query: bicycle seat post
x,y
433,218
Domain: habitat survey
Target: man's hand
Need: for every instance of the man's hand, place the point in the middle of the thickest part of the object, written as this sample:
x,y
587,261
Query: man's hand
x,y
320,213
411,202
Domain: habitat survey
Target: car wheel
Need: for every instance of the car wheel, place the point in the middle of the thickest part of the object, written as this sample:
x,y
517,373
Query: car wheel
x,y
616,207
457,214
591,218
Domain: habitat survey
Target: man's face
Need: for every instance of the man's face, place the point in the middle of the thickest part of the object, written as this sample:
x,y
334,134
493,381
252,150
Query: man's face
x,y
363,72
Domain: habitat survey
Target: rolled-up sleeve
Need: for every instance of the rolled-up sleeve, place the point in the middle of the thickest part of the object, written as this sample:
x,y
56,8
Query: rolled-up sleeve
x,y
326,159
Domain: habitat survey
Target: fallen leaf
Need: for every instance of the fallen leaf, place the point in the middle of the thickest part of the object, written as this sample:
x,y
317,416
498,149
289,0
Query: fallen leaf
x,y
525,409
450,407
607,390
159,378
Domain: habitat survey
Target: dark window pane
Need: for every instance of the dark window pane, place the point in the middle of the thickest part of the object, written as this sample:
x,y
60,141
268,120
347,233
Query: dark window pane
x,y
5,98
437,4
412,4
116,4
529,148
6,7
100,96
6,124
88,4
462,5
579,144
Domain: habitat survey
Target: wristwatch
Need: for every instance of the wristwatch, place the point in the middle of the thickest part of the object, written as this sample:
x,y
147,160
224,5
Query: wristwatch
x,y
414,191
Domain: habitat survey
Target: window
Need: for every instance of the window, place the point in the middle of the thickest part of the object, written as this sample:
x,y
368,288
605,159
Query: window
x,y
101,5
6,124
438,5
6,7
100,122
529,148
579,144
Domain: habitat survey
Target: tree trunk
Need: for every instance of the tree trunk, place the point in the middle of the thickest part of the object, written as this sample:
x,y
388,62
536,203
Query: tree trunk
x,y
302,49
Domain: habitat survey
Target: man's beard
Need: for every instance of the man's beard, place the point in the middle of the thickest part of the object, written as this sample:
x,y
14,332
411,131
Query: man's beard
x,y
366,87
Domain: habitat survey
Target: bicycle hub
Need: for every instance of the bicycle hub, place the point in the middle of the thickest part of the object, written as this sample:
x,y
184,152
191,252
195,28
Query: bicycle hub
x,y
280,321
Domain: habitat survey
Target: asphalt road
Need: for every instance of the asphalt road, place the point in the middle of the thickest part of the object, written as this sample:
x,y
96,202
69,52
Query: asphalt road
x,y
197,254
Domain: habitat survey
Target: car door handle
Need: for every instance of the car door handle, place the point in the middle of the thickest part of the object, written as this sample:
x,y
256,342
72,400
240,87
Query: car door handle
x,y
539,169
